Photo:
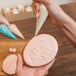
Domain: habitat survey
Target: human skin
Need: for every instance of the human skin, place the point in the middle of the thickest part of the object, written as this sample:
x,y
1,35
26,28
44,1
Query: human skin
x,y
24,70
58,18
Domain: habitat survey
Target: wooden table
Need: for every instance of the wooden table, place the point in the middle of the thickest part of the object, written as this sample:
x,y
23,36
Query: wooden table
x,y
65,64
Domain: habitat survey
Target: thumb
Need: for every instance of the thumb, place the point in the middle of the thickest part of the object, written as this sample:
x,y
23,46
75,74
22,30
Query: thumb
x,y
48,66
19,62
41,71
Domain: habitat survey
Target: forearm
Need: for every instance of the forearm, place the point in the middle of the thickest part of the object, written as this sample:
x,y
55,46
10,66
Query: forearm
x,y
57,13
3,19
70,32
66,24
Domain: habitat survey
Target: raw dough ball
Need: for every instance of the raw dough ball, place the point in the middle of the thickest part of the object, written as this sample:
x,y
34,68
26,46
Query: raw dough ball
x,y
12,50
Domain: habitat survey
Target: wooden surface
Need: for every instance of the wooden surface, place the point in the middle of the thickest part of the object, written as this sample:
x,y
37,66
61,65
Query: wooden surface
x,y
65,64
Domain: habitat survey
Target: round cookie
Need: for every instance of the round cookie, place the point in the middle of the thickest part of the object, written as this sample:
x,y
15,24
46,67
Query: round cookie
x,y
9,64
40,50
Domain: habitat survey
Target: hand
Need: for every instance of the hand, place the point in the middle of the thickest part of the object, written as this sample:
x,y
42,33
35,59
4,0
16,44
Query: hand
x,y
37,4
56,15
23,70
36,8
45,2
58,18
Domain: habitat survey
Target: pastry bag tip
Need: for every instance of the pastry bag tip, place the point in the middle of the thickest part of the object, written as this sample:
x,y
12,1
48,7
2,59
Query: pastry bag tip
x,y
23,37
16,31
6,31
36,33
41,19
15,38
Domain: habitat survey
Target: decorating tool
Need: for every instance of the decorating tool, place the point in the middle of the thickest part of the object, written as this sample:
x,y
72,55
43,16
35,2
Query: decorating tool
x,y
6,31
41,19
15,30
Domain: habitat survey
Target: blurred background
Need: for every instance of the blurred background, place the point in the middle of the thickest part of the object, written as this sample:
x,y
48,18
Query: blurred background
x,y
11,3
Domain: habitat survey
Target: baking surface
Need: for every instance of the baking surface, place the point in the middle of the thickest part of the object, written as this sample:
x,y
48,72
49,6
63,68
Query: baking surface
x,y
65,64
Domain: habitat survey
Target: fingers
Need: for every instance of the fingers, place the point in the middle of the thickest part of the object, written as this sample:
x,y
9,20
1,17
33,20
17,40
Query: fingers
x,y
36,8
19,62
47,67
42,70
